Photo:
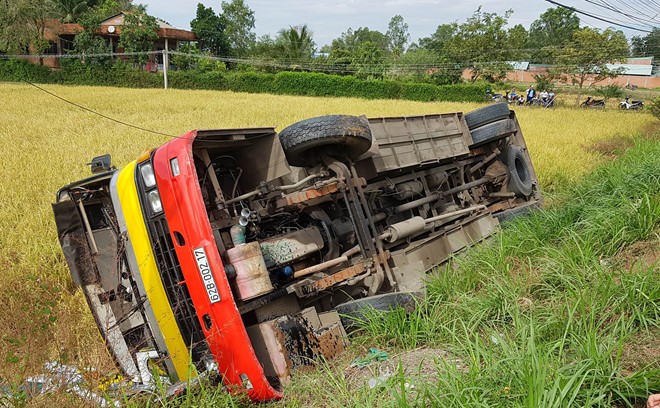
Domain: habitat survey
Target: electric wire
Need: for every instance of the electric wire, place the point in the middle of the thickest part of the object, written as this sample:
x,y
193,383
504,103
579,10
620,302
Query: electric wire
x,y
596,17
99,113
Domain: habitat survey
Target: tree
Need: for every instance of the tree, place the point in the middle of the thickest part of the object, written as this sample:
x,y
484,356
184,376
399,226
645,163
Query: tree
x,y
71,10
295,43
398,36
552,29
107,8
138,34
87,42
583,60
209,29
364,50
22,25
265,47
351,39
437,41
647,46
518,38
238,21
483,44
422,65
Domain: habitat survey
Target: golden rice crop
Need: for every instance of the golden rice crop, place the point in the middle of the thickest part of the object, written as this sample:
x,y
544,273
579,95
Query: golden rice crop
x,y
46,143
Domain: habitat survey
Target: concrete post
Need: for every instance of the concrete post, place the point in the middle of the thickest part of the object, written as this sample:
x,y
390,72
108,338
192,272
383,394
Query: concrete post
x,y
166,62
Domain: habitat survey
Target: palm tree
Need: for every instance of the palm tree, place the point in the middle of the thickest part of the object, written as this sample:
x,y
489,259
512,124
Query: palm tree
x,y
296,43
72,9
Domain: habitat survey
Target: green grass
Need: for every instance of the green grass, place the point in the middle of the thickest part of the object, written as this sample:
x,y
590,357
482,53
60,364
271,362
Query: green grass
x,y
540,317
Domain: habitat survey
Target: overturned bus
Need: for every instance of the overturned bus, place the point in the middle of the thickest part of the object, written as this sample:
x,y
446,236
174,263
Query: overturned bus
x,y
231,251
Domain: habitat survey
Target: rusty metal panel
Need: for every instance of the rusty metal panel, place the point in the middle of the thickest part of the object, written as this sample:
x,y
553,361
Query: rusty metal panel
x,y
288,342
413,140
315,283
306,195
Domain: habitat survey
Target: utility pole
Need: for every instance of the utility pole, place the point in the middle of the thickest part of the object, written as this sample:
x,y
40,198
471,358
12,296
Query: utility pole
x,y
166,62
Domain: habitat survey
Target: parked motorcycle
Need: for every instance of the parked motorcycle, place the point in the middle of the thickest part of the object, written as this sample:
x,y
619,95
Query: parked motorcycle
x,y
593,103
634,105
494,97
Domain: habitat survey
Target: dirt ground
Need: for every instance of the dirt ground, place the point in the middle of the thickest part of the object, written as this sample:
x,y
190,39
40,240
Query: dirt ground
x,y
421,363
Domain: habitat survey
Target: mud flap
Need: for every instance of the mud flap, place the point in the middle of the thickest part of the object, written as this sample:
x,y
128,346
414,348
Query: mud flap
x,y
71,233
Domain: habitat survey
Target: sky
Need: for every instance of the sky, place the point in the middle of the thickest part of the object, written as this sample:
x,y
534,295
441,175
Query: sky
x,y
329,18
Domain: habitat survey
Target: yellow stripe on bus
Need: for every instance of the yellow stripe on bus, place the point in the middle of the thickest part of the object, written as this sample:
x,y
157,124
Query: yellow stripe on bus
x,y
137,231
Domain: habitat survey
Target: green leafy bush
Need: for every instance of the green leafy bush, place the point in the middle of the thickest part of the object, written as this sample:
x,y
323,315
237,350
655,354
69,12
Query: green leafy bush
x,y
197,80
316,84
254,82
124,74
654,107
544,82
610,91
20,70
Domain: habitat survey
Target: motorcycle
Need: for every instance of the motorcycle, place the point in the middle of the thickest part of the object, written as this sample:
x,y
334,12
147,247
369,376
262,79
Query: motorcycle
x,y
593,103
634,105
494,97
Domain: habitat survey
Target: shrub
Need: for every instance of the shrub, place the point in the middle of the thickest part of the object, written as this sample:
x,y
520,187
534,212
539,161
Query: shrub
x,y
197,80
253,82
654,107
213,76
544,82
610,91
20,70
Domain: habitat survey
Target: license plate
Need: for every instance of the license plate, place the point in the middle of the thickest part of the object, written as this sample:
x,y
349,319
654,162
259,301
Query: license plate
x,y
207,276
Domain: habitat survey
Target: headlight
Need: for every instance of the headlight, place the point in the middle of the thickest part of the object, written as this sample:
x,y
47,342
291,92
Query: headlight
x,y
154,201
148,175
64,196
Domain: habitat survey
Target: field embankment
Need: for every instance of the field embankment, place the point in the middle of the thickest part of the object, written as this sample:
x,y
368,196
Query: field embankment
x,y
47,143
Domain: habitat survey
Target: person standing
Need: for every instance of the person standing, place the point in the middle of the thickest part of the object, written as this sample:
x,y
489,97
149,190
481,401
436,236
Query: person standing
x,y
531,93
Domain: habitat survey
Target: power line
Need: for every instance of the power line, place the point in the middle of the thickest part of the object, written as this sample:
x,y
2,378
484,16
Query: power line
x,y
596,17
98,113
607,6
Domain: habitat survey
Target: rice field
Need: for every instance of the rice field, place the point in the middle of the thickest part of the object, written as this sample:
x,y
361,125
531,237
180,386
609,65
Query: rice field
x,y
47,142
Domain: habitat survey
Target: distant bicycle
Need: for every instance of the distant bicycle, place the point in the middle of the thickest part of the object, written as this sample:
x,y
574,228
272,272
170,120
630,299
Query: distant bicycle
x,y
535,102
543,102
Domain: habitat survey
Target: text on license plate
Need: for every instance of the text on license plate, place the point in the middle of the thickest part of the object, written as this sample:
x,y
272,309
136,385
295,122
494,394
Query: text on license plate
x,y
207,276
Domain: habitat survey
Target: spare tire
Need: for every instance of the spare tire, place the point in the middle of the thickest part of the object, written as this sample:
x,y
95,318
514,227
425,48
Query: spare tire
x,y
355,311
520,177
486,115
492,131
334,135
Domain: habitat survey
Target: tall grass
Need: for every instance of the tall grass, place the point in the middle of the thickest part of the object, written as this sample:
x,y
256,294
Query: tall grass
x,y
543,313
